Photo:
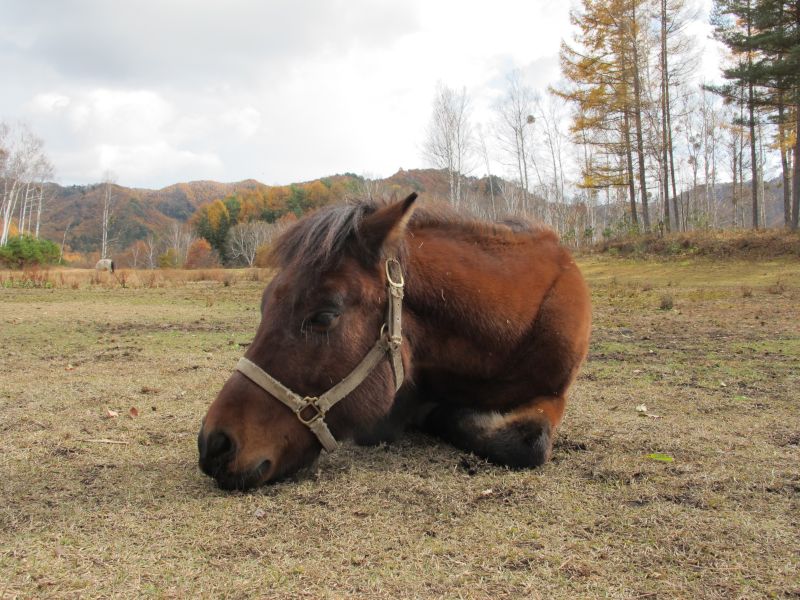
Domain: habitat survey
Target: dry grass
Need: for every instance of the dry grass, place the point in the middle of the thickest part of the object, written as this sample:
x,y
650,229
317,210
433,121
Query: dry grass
x,y
61,278
83,517
731,243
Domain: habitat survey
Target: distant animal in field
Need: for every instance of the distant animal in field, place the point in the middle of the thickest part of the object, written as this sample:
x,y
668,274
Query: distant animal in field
x,y
105,264
381,316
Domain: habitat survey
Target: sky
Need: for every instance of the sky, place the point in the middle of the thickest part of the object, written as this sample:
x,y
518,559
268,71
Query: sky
x,y
162,91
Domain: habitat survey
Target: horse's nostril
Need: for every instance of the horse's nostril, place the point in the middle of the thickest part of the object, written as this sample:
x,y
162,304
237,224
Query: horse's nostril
x,y
218,445
264,467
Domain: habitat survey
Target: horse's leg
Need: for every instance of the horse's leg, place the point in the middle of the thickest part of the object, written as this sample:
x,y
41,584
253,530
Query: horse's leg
x,y
387,429
521,438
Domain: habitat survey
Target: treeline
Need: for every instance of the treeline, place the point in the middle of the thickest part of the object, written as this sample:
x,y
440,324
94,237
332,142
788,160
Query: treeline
x,y
237,229
631,139
24,170
763,38
628,75
215,220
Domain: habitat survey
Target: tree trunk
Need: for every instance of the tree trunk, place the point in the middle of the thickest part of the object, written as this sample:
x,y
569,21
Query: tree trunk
x,y
39,211
796,185
664,120
629,161
735,170
637,95
785,174
753,157
671,153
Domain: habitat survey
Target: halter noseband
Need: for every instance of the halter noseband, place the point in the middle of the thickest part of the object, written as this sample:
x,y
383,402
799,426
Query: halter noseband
x,y
311,410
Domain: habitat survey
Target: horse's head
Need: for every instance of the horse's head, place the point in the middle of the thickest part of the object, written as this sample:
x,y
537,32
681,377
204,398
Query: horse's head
x,y
320,316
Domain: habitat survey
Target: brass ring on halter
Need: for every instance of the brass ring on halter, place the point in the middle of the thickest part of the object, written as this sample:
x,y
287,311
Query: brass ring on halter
x,y
309,403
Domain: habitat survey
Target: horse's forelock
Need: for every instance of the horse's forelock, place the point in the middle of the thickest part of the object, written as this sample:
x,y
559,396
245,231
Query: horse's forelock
x,y
317,241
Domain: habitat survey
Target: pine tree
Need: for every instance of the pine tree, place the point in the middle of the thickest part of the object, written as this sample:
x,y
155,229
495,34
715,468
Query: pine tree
x,y
735,26
777,38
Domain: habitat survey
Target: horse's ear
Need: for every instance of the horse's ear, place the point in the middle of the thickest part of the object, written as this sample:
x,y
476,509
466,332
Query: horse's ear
x,y
383,229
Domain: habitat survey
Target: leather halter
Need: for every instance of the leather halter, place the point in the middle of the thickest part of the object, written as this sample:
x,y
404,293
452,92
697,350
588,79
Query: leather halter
x,y
311,410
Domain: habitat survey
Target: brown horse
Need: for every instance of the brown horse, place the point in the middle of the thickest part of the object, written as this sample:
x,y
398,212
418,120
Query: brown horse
x,y
483,341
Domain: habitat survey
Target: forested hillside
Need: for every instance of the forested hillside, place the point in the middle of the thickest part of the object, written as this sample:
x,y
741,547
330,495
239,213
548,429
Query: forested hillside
x,y
78,210
74,214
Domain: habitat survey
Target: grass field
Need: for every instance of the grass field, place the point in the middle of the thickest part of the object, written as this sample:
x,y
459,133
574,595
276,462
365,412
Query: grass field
x,y
696,496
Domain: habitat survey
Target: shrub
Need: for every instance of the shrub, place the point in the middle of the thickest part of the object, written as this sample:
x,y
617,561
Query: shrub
x,y
24,251
169,259
201,256
262,256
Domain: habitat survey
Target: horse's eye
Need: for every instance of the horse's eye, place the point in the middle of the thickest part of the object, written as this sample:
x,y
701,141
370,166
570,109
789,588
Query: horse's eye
x,y
325,319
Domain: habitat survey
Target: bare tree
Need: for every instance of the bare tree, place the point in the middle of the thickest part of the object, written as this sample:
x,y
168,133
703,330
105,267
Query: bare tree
x,y
449,141
179,239
369,187
44,171
151,244
63,242
514,128
136,250
512,195
108,201
23,167
245,239
487,164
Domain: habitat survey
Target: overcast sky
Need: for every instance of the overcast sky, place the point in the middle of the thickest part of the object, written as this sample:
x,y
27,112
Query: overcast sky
x,y
164,91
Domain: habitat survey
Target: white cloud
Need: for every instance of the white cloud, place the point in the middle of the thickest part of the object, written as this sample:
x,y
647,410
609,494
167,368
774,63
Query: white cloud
x,y
50,102
158,158
246,121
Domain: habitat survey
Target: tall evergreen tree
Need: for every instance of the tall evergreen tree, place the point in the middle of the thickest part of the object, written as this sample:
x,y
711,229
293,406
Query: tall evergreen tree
x,y
735,26
778,71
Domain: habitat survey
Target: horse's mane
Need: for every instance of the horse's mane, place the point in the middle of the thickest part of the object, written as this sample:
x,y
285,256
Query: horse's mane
x,y
318,241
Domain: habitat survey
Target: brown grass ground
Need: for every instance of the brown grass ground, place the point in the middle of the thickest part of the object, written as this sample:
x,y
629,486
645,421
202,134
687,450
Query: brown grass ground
x,y
83,517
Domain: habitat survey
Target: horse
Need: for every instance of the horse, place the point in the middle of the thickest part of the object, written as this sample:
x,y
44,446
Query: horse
x,y
385,315
105,264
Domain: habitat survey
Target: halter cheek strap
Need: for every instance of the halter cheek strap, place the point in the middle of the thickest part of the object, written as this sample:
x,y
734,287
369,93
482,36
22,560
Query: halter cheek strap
x,y
311,410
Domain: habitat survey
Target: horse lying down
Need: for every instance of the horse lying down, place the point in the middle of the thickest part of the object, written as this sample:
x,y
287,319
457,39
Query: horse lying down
x,y
381,315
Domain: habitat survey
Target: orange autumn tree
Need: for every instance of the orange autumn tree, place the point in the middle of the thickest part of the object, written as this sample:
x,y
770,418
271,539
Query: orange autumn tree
x,y
201,255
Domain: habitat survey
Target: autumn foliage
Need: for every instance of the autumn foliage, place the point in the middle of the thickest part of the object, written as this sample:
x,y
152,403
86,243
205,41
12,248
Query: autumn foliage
x,y
213,220
201,255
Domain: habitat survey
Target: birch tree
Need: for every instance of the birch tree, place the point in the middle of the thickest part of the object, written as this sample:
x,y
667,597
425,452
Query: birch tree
x,y
244,239
108,201
449,141
24,167
179,239
514,127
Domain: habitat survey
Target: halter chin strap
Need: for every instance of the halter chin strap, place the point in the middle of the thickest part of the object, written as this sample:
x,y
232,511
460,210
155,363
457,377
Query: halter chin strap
x,y
311,410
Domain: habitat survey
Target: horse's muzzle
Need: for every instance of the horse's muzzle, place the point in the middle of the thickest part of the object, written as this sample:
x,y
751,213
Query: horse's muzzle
x,y
217,451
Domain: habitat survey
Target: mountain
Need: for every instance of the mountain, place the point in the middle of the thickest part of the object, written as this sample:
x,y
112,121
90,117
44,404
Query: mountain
x,y
138,212
78,210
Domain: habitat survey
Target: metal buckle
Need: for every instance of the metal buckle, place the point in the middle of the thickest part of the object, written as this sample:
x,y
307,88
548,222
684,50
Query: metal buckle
x,y
309,402
392,282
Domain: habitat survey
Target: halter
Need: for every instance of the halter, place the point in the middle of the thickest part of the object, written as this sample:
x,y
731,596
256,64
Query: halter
x,y
311,410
